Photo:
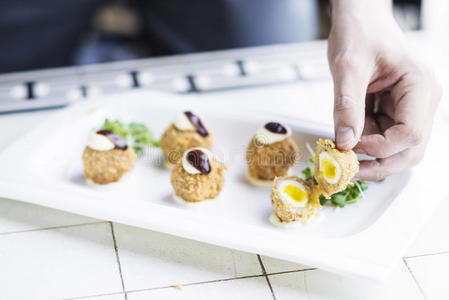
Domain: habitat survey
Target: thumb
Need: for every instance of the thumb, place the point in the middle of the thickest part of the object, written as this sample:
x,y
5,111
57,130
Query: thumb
x,y
349,106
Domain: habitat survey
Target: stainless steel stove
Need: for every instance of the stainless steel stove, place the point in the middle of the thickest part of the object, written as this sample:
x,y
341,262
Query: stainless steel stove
x,y
184,74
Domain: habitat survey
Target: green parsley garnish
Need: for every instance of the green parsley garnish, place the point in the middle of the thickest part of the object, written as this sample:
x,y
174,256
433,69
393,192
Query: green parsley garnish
x,y
351,194
310,161
116,127
307,172
136,135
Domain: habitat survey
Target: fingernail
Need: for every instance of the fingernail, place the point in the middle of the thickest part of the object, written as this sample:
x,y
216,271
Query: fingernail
x,y
345,136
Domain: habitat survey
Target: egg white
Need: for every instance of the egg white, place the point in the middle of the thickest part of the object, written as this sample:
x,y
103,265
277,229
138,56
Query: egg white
x,y
337,165
286,198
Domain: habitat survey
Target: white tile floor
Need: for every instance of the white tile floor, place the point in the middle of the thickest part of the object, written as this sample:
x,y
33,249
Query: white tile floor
x,y
150,259
48,254
434,238
120,296
59,263
273,265
431,273
317,285
247,288
19,216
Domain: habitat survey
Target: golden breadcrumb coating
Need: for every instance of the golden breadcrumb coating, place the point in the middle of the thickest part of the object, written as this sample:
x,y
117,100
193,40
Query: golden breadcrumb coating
x,y
347,160
107,166
265,162
287,212
198,187
174,142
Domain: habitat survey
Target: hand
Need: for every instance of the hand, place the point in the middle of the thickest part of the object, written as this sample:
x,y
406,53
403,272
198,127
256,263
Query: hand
x,y
384,101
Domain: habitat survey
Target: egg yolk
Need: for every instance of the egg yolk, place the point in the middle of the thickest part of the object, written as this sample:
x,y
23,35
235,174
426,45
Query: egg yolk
x,y
295,193
328,168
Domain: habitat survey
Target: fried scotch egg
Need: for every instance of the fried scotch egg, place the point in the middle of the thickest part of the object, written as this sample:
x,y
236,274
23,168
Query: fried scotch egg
x,y
293,193
334,168
293,199
270,153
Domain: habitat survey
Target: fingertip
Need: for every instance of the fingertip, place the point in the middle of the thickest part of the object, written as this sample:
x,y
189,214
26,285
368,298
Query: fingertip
x,y
345,138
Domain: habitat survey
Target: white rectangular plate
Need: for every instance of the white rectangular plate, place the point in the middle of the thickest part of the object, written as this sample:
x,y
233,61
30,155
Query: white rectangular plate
x,y
365,238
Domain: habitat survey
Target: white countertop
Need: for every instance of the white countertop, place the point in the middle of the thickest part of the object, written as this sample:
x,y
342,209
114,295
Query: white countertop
x,y
49,254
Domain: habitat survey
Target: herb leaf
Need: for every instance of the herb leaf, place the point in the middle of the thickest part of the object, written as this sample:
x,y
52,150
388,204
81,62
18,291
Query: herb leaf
x,y
323,200
310,161
136,135
307,172
116,127
350,195
339,199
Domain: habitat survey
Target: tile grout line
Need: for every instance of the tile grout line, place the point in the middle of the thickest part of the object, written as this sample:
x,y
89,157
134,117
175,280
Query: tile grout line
x,y
92,296
118,259
292,271
51,228
426,254
414,278
266,276
196,283
191,284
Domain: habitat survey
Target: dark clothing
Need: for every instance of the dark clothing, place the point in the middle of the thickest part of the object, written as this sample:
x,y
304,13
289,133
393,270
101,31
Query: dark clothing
x,y
201,25
45,33
42,33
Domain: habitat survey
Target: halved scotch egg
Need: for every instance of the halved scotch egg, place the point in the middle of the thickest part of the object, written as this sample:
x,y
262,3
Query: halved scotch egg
x,y
334,168
293,192
330,168
294,199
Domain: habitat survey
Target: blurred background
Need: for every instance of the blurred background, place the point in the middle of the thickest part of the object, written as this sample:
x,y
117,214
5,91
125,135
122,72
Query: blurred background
x,y
44,33
59,52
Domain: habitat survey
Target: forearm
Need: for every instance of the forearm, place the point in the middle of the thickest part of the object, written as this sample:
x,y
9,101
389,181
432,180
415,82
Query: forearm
x,y
363,20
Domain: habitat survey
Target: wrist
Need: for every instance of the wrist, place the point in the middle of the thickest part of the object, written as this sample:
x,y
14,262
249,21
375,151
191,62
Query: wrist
x,y
361,8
